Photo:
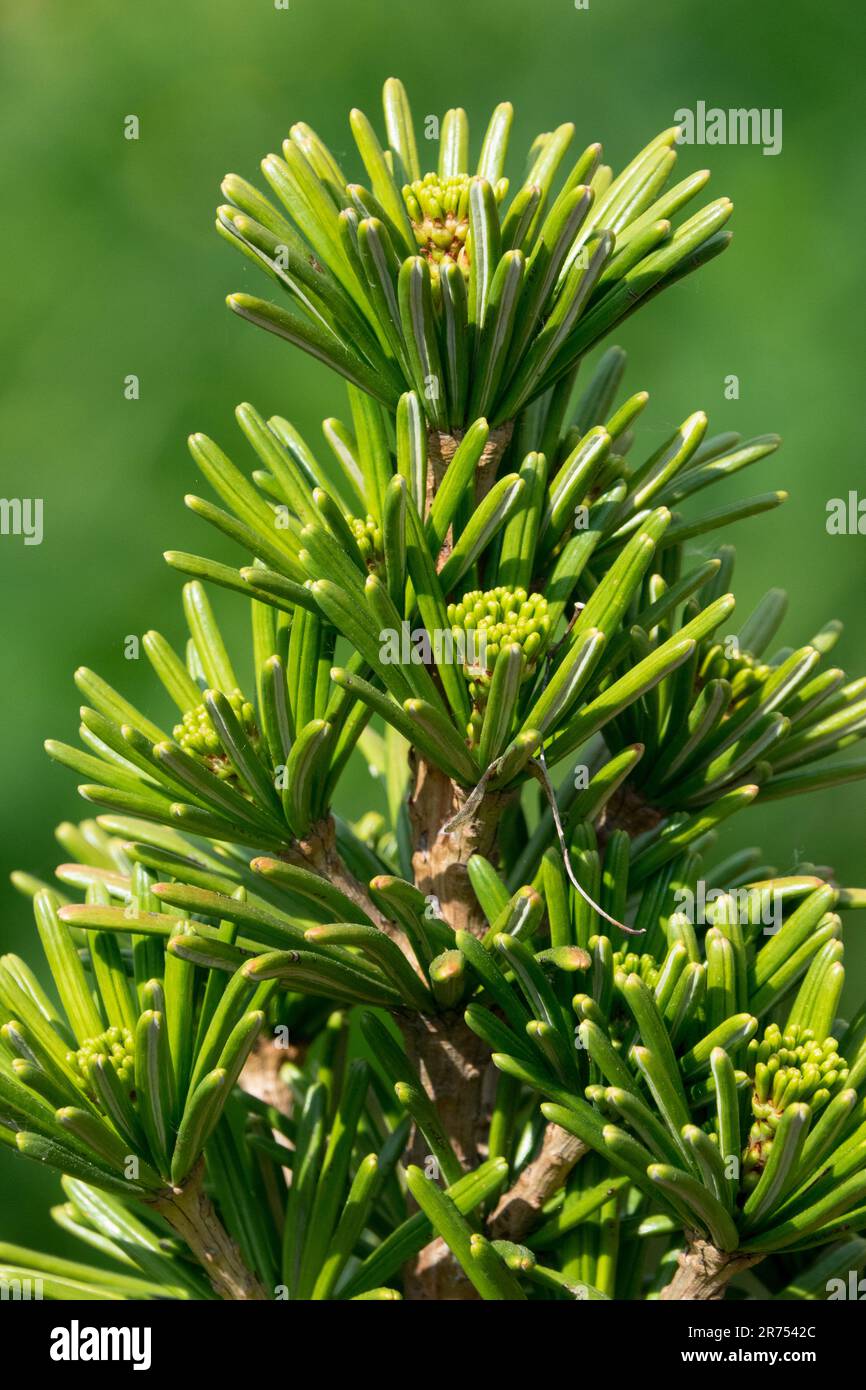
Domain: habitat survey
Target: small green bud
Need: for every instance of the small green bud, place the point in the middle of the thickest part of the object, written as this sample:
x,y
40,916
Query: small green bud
x,y
115,1046
368,535
439,213
787,1069
198,737
487,621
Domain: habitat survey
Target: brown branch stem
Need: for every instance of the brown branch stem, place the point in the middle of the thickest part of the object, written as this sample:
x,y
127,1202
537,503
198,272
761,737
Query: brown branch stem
x,y
627,810
190,1213
703,1272
440,857
441,448
519,1209
319,852
452,1062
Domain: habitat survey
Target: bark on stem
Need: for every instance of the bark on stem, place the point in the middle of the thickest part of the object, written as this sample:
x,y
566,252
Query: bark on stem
x,y
319,853
442,447
261,1073
451,1061
627,810
189,1212
439,857
519,1209
703,1272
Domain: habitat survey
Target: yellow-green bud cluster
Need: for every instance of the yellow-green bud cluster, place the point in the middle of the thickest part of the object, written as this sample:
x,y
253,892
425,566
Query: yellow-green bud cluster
x,y
197,735
787,1068
631,963
439,212
368,537
745,672
114,1046
504,617
484,622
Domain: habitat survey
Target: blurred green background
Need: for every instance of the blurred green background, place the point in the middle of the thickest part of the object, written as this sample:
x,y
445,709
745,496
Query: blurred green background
x,y
111,266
